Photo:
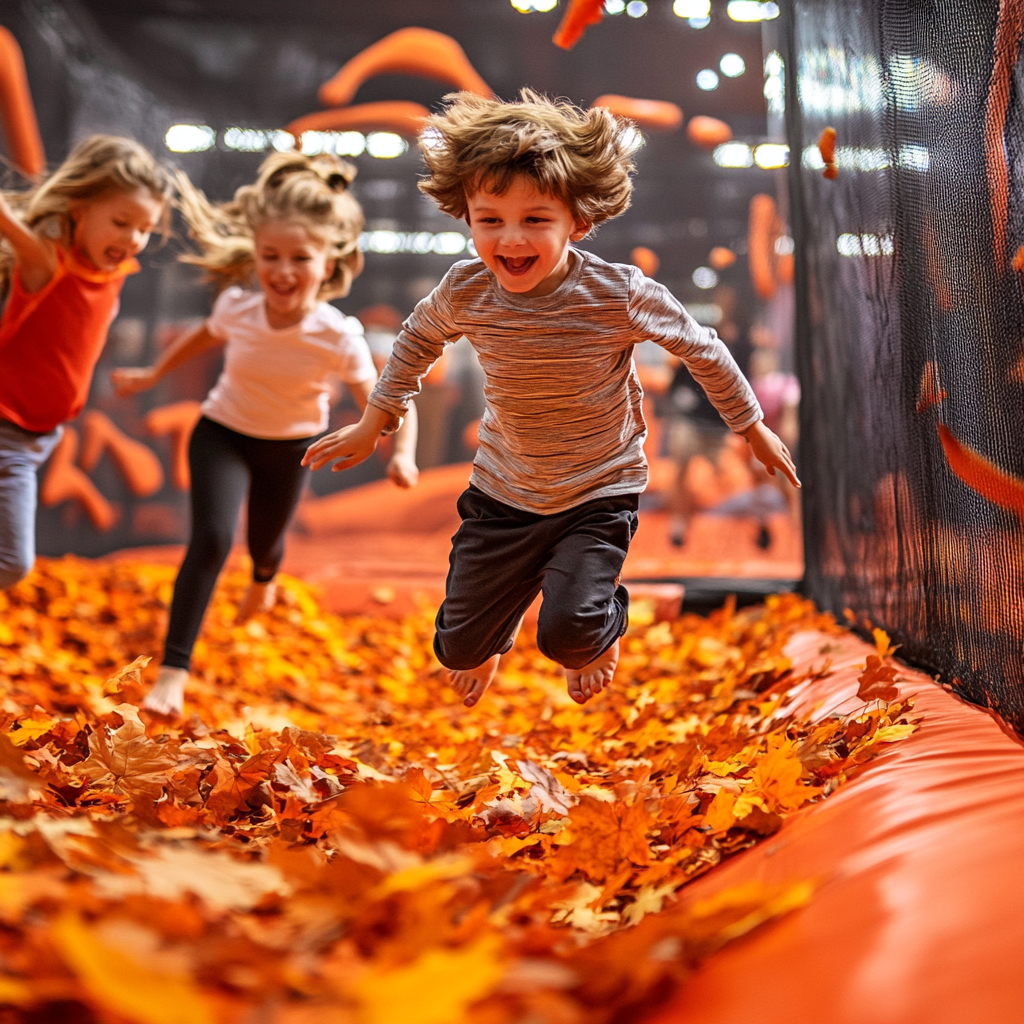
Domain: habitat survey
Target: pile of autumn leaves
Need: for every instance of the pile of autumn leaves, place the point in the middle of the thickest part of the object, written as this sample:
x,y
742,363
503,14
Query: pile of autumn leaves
x,y
331,838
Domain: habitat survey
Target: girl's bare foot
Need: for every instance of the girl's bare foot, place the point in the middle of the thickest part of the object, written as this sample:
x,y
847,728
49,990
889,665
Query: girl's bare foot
x,y
168,694
584,683
471,683
259,598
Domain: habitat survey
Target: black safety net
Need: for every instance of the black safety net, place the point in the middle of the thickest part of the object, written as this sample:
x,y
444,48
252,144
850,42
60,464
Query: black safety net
x,y
910,326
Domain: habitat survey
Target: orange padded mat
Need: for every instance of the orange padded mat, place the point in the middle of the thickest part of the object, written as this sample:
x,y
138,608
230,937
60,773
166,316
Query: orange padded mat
x,y
919,914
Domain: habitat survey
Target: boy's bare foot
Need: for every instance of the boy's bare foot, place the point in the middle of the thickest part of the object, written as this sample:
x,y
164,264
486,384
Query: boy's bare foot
x,y
584,683
471,683
259,598
168,694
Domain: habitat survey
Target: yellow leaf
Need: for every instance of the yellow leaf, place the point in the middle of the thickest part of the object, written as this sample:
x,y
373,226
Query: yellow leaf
x,y
420,875
720,816
30,729
891,733
123,985
435,989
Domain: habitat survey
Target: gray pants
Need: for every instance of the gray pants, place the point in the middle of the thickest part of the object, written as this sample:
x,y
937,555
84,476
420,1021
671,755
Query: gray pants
x,y
21,454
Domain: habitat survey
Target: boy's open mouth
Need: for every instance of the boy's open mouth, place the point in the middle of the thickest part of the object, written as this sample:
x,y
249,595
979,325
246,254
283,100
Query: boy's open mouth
x,y
517,265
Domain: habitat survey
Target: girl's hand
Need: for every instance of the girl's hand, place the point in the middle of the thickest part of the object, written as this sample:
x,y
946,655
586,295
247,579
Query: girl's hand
x,y
770,451
130,380
349,445
403,471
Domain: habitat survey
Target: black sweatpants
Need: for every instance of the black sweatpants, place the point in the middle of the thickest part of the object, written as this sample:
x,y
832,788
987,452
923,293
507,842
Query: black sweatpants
x,y
225,464
502,557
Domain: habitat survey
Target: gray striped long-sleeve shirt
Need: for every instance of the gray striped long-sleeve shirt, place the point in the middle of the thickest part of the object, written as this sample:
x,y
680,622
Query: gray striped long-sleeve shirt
x,y
562,423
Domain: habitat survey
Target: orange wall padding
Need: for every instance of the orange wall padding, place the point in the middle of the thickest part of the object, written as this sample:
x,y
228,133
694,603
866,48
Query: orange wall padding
x,y
918,917
657,114
708,132
19,116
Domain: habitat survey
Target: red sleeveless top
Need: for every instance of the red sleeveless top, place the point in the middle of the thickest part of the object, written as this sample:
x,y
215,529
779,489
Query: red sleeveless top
x,y
50,341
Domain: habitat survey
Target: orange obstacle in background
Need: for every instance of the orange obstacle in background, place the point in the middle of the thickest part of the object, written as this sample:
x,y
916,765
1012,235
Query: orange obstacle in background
x,y
64,481
140,468
400,116
19,117
577,18
707,132
409,51
657,114
177,419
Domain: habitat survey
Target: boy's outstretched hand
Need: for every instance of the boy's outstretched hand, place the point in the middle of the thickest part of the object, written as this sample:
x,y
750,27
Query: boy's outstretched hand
x,y
769,450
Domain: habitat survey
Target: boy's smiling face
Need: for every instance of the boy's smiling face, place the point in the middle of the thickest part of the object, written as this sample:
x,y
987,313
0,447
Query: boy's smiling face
x,y
523,236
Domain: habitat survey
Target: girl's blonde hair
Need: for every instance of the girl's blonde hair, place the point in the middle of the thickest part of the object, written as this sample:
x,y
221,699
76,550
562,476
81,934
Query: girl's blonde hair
x,y
583,157
289,187
97,166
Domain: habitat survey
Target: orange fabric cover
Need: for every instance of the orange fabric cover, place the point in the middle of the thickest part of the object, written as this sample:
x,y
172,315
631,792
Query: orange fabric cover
x,y
50,341
919,914
19,116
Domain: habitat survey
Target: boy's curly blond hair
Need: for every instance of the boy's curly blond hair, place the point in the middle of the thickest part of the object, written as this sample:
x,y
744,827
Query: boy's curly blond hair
x,y
583,157
312,190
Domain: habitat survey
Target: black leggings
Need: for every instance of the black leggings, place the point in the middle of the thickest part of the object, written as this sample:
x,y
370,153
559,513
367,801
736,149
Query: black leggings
x,y
224,465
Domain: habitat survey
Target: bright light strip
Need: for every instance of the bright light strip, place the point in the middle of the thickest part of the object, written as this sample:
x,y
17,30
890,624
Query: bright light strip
x,y
385,145
614,6
864,245
770,155
636,8
526,6
190,138
707,80
692,8
733,154
732,65
443,243
705,277
751,10
864,158
632,139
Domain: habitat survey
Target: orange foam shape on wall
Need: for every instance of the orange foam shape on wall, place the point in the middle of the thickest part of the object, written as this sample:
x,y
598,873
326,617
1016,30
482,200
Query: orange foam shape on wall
x,y
577,18
721,258
981,475
400,116
409,51
930,392
140,468
763,231
657,114
64,481
646,259
177,419
707,132
19,116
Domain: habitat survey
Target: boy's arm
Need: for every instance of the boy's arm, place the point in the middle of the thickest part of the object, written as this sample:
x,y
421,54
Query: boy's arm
x,y
769,450
656,315
128,380
35,257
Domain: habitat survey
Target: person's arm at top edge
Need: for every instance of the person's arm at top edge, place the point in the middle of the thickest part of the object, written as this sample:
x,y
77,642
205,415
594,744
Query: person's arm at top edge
x,y
35,256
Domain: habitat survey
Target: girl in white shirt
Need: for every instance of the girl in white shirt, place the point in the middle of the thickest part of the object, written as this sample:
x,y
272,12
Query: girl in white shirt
x,y
296,230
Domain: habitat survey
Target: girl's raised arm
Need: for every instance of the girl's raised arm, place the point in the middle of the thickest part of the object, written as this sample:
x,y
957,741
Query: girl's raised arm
x,y
129,380
36,260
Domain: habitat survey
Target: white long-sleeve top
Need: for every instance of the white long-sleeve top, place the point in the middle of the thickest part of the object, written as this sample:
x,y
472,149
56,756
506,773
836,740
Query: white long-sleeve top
x,y
563,421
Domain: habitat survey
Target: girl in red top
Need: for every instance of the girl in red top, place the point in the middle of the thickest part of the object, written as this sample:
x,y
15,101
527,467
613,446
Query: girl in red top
x,y
69,247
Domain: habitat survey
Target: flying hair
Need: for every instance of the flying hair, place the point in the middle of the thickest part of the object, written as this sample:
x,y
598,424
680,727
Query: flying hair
x,y
97,166
582,157
310,190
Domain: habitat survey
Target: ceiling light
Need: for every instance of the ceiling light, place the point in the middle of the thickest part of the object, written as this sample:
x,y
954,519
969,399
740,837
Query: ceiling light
x,y
190,138
705,277
751,10
385,145
707,80
733,154
732,65
614,6
636,8
770,155
691,8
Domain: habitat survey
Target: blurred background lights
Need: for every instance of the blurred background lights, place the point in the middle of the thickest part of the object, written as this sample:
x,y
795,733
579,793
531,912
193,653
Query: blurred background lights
x,y
614,6
385,145
705,277
636,8
784,246
752,10
771,154
773,64
526,6
692,9
707,80
864,245
732,65
190,138
733,154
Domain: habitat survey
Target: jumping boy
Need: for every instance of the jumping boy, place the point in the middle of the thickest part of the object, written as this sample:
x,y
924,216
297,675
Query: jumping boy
x,y
552,501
